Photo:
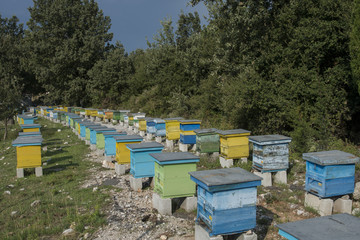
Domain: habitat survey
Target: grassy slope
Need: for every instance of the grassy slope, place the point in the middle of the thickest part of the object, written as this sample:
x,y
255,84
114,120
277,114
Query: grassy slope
x,y
63,201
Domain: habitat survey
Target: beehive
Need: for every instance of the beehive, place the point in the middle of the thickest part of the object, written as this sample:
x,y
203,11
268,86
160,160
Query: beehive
x,y
110,142
160,130
100,114
141,163
122,152
83,125
172,126
330,173
100,138
136,118
94,131
234,144
226,199
123,114
171,174
142,123
207,140
30,127
24,119
187,134
89,111
88,130
150,126
339,226
109,114
28,151
270,152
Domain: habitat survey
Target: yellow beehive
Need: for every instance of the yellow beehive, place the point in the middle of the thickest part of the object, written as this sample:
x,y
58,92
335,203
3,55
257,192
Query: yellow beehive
x,y
234,144
172,126
28,151
30,127
122,152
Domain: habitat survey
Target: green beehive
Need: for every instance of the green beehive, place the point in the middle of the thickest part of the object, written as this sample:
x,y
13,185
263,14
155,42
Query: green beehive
x,y
171,174
207,140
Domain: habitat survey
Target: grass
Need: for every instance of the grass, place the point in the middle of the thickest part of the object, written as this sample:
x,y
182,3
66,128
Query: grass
x,y
63,203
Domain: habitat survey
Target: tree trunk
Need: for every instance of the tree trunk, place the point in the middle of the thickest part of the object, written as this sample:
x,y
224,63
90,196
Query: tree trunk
x,y
6,128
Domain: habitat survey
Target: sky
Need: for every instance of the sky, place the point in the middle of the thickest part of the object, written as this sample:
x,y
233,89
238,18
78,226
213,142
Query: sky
x,y
132,21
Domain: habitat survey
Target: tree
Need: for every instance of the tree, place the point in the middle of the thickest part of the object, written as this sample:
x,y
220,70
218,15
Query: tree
x,y
355,43
64,40
10,72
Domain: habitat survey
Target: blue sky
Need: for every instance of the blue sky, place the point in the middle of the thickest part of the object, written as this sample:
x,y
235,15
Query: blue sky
x,y
132,20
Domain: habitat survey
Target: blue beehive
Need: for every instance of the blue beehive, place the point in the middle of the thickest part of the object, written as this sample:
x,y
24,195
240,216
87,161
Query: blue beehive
x,y
141,163
160,127
95,130
150,126
330,173
339,226
110,142
83,126
27,134
187,134
270,152
27,119
226,199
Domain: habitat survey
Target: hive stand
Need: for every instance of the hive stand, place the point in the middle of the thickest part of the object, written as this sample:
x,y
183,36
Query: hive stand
x,y
201,233
268,177
229,162
120,169
149,137
142,133
186,147
158,139
166,206
328,206
170,144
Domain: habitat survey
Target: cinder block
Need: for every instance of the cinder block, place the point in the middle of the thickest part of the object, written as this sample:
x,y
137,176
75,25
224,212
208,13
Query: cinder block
x,y
92,147
109,158
142,133
323,206
214,155
19,172
169,144
202,234
136,130
120,169
158,139
100,152
343,206
38,171
244,160
193,147
226,163
149,137
189,204
250,235
267,181
162,205
183,147
280,177
135,183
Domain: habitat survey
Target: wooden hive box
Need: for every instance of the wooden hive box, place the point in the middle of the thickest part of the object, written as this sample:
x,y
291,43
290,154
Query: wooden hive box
x,y
207,140
136,118
270,152
187,134
24,119
108,114
172,126
94,131
88,130
171,174
110,142
150,126
234,144
226,200
126,119
30,127
330,173
141,163
123,113
339,226
88,111
116,115
83,125
100,114
28,151
100,138
142,123
160,127
122,152
130,119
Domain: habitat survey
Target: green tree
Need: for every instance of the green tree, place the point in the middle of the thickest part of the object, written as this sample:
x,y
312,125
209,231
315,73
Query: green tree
x,y
355,43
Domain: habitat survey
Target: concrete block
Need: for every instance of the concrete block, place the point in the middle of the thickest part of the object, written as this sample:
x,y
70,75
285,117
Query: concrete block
x,y
107,164
162,205
249,235
19,172
158,139
214,155
92,147
189,204
115,121
92,119
38,171
120,169
243,160
135,183
202,234
226,163
136,130
193,147
267,181
109,158
87,142
100,152
149,137
323,206
169,144
343,206
142,133
280,177
183,147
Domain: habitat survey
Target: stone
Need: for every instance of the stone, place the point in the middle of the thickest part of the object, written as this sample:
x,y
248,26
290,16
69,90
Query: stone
x,y
7,192
100,152
35,203
92,147
162,205
266,176
136,130
356,194
13,213
68,232
135,183
214,155
226,163
249,235
183,147
120,169
87,142
189,204
169,144
38,171
243,160
19,172
44,149
163,237
202,234
108,158
343,205
280,177
158,139
142,133
356,211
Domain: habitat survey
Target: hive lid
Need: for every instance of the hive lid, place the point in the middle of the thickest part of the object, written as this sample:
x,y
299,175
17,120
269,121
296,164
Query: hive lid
x,y
233,131
93,127
25,116
175,118
28,140
30,125
263,139
224,176
159,120
114,133
187,121
145,145
125,111
208,130
174,156
338,226
104,129
128,137
21,134
334,157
